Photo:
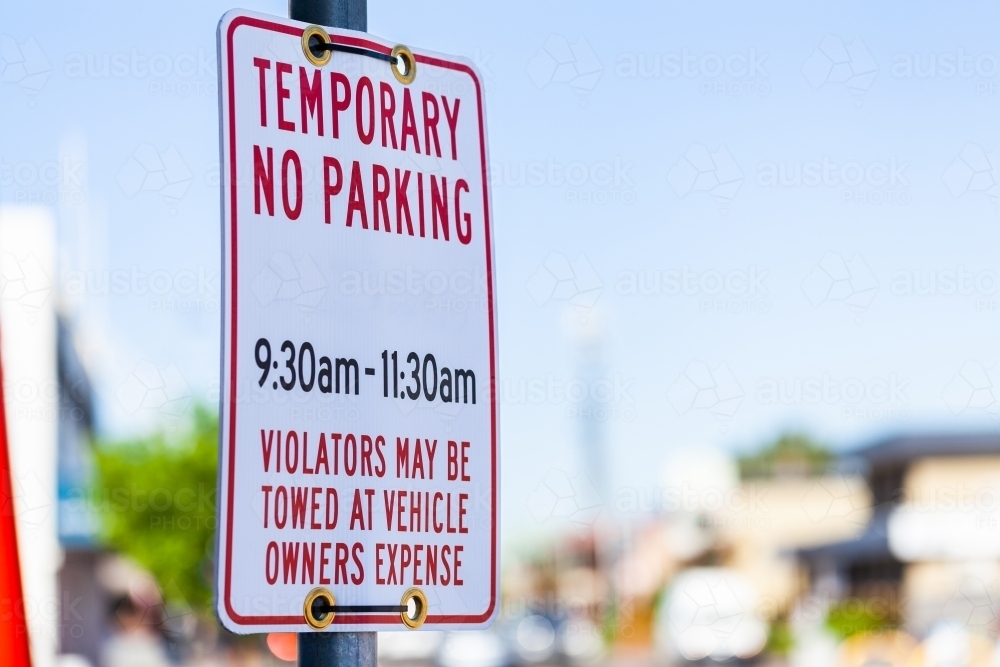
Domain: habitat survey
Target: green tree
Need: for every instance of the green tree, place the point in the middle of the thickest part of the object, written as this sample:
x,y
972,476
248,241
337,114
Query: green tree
x,y
855,616
156,499
791,455
780,637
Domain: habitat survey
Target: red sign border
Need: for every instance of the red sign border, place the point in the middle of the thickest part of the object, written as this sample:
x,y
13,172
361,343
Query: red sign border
x,y
349,619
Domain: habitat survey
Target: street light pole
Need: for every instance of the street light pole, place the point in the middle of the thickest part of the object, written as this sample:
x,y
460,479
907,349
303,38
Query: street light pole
x,y
335,649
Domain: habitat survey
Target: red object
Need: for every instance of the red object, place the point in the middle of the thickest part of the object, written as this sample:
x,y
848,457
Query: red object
x,y
13,627
284,645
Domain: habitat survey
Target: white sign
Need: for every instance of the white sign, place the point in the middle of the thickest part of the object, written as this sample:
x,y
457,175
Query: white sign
x,y
359,433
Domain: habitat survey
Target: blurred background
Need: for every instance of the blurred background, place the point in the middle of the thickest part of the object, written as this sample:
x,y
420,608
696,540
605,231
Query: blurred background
x,y
749,297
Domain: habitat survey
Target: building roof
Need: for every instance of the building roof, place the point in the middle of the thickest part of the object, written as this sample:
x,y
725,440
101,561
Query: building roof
x,y
899,450
886,458
870,546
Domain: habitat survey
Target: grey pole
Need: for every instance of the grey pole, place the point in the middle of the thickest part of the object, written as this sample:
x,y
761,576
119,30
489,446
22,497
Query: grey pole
x,y
335,649
350,14
338,649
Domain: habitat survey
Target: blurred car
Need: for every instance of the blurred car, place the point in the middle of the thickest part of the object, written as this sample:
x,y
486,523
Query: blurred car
x,y
709,613
409,647
484,648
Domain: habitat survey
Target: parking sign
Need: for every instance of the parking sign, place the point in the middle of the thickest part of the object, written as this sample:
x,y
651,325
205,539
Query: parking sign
x,y
359,461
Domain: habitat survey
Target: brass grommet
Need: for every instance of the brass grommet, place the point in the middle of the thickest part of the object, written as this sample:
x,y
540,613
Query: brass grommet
x,y
401,53
315,32
319,619
419,600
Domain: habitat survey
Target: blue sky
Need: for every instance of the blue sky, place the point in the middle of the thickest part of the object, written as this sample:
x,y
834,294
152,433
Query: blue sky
x,y
655,157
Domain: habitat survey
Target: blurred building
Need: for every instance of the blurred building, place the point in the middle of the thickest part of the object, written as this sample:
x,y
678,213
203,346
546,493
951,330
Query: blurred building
x,y
48,404
726,546
85,602
931,551
901,535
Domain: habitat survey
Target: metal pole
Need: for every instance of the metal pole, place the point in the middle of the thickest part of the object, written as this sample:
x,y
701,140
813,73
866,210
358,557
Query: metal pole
x,y
335,649
338,649
350,14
